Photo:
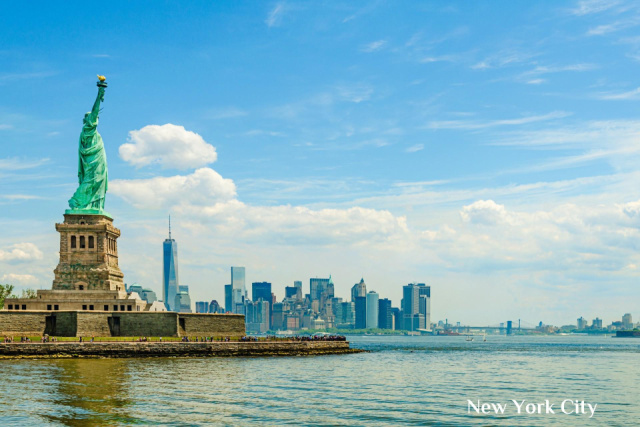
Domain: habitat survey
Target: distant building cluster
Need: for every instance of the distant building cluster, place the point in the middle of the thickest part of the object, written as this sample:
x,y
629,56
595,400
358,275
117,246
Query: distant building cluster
x,y
320,308
625,323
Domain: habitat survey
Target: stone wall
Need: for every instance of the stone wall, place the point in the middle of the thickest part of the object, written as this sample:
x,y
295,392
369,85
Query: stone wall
x,y
66,324
122,324
91,324
22,323
224,325
148,324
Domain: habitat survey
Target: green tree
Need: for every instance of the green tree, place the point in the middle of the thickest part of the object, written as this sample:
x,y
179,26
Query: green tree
x,y
5,291
29,293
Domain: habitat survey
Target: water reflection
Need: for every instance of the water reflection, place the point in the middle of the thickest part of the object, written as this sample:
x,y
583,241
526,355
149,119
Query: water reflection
x,y
90,392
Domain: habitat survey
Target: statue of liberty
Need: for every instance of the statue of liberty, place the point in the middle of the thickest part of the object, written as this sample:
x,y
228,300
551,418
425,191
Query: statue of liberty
x,y
92,163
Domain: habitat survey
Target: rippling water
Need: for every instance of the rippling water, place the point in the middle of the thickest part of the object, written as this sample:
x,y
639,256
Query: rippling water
x,y
401,381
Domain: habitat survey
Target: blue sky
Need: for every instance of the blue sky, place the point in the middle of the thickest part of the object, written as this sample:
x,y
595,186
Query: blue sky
x,y
489,149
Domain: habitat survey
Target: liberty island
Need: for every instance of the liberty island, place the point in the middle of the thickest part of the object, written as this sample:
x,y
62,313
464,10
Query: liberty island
x,y
89,298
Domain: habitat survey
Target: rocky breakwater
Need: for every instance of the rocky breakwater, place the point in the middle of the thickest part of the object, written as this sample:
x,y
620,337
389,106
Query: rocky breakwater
x,y
174,349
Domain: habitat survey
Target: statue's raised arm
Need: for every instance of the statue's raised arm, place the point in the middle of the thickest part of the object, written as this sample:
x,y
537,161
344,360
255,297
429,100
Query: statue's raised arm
x,y
92,163
102,85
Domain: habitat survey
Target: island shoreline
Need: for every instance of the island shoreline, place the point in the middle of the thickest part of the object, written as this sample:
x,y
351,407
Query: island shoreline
x,y
58,350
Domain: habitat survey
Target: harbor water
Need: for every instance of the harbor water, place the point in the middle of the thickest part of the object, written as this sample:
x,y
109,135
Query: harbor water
x,y
400,381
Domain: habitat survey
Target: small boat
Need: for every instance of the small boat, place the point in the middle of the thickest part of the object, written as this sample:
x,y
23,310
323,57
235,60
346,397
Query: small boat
x,y
484,337
469,338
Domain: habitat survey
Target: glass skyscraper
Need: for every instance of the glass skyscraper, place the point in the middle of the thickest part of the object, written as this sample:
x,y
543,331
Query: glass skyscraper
x,y
372,310
416,306
170,282
238,290
228,300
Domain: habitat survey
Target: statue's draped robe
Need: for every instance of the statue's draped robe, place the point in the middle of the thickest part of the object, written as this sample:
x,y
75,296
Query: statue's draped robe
x,y
92,167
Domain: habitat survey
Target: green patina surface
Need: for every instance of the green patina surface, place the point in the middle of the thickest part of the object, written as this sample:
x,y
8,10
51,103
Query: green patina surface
x,y
89,198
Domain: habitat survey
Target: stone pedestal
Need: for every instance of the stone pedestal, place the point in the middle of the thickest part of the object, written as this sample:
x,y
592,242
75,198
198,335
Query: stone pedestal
x,y
87,277
88,254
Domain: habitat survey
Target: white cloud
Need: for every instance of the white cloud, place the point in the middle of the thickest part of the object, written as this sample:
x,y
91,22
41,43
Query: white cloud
x,y
355,93
13,164
274,17
542,69
503,58
169,145
205,199
485,212
632,94
295,225
588,7
603,134
632,209
461,124
203,187
374,46
441,58
21,252
415,148
22,279
614,26
226,113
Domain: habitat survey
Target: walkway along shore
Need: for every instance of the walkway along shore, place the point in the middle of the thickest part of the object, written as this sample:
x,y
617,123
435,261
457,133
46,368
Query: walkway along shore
x,y
173,349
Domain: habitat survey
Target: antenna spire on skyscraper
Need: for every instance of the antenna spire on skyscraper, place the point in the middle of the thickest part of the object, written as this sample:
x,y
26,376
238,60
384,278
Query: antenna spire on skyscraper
x,y
169,226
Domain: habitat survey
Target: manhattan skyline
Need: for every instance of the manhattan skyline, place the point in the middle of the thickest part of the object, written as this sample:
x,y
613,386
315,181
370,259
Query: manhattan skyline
x,y
400,143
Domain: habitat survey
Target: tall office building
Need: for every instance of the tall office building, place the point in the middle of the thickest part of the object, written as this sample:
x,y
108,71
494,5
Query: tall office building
x,y
146,294
214,307
416,306
582,323
361,312
627,321
425,307
261,290
359,290
385,316
321,290
238,290
597,323
372,309
183,302
170,282
317,287
228,298
397,318
257,316
291,292
202,307
294,291
347,317
277,317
